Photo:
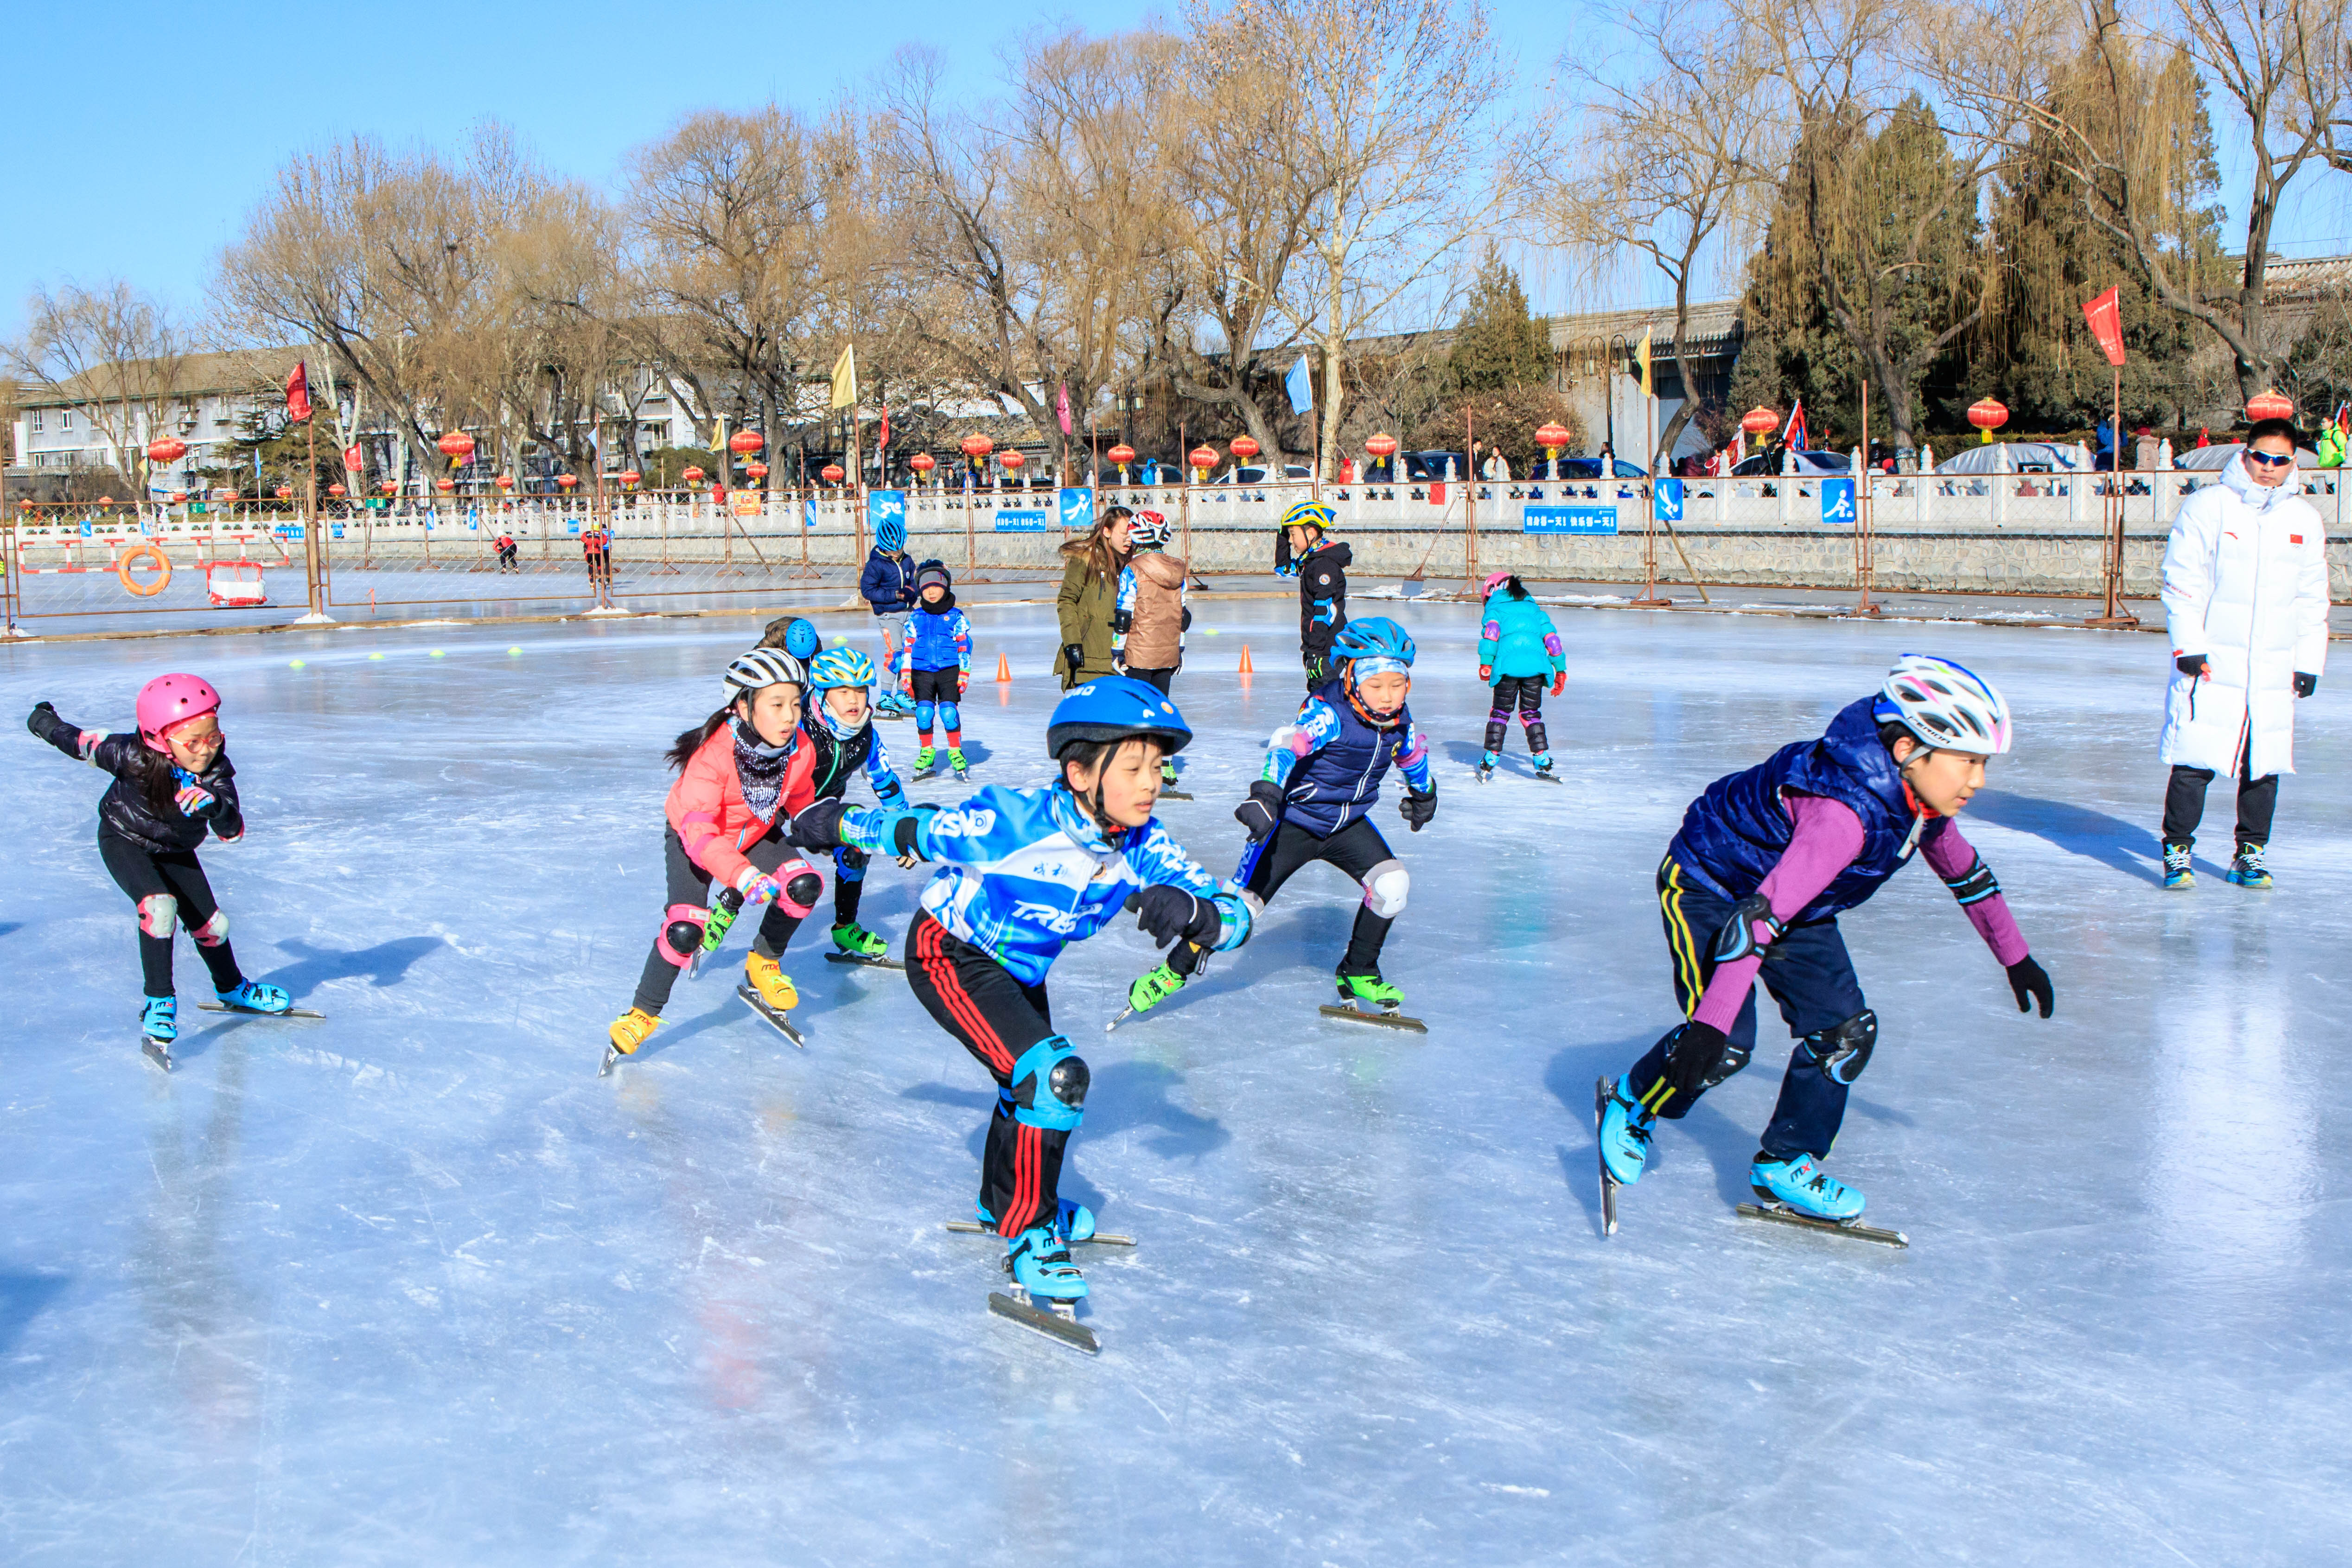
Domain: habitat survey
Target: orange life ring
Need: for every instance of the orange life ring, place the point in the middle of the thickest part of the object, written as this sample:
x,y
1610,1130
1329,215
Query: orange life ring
x,y
131,557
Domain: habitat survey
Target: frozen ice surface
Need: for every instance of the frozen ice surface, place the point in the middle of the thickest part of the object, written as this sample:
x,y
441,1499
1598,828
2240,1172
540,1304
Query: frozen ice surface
x,y
413,1285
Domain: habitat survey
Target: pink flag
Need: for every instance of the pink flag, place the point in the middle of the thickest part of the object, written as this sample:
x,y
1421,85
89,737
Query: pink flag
x,y
1062,401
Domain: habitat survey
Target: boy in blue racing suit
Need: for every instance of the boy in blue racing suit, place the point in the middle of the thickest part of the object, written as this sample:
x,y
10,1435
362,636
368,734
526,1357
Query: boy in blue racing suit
x,y
1026,872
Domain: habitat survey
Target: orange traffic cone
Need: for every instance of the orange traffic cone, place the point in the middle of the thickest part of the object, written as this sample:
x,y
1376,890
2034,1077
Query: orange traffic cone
x,y
1003,670
1246,669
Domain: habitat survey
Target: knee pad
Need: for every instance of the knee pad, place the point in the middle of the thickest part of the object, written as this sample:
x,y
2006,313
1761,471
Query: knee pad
x,y
802,889
214,932
1735,1057
848,864
158,913
924,713
1843,1052
950,717
681,933
1385,887
1697,1058
1049,1086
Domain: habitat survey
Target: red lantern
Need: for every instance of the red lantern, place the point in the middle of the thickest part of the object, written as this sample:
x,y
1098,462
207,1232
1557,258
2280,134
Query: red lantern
x,y
2269,406
757,470
504,481
446,487
1760,421
1987,414
286,492
1244,447
167,450
743,443
976,446
692,476
1202,459
389,488
337,491
1121,454
1381,446
102,500
1011,460
225,495
831,473
179,496
567,481
630,478
457,445
1552,437
922,463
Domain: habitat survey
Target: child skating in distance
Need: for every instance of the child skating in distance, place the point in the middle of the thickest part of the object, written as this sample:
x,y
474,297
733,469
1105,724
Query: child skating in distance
x,y
939,661
1322,567
1314,802
1024,873
887,586
172,784
1753,886
839,730
742,775
1148,627
1519,653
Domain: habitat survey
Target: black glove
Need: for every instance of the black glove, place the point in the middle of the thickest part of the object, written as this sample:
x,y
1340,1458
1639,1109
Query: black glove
x,y
42,721
2031,983
1418,809
1074,657
1169,912
2304,684
2191,664
1318,669
1258,814
818,826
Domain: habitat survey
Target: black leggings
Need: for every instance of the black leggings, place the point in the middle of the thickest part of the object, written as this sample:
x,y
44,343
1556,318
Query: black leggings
x,y
167,884
1527,691
1355,849
997,1019
688,883
2184,804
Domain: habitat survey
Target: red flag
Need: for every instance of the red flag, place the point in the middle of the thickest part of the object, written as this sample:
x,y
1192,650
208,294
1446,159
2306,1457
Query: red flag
x,y
298,393
351,459
1796,433
884,443
2106,315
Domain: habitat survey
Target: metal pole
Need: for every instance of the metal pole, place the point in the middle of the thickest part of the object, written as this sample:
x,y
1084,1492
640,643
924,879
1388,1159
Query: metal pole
x,y
1862,562
2112,515
1650,596
1469,503
310,513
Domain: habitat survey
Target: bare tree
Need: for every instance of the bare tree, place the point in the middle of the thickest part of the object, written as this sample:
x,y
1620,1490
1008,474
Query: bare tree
x,y
114,355
1683,152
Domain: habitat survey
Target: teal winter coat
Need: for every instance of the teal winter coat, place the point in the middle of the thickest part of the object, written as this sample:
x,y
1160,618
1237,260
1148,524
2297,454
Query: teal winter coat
x,y
1517,638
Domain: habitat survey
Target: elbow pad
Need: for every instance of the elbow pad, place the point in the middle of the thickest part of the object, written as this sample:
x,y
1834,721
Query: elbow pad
x,y
1975,885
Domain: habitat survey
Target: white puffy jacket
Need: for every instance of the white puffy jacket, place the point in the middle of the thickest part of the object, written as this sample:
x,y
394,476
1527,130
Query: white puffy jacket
x,y
2245,584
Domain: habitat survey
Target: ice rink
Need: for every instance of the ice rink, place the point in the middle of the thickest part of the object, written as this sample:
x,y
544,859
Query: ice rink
x,y
413,1285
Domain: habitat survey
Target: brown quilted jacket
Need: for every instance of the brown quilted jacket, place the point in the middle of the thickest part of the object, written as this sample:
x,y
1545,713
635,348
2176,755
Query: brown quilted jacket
x,y
1155,636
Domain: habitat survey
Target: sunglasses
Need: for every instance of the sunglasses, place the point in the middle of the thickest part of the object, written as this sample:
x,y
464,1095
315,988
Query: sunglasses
x,y
2267,460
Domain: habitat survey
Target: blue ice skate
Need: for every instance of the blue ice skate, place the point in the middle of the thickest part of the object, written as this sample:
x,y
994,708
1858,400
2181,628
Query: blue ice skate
x,y
2177,872
1543,766
1041,1265
255,996
1624,1134
1799,1183
2246,869
1487,764
160,1020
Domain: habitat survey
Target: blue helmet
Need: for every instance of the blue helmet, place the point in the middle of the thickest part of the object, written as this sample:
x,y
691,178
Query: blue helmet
x,y
801,639
890,535
1374,638
1114,708
838,667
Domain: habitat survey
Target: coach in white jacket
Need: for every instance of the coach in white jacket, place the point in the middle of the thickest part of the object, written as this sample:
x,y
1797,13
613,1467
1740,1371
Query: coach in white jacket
x,y
2245,603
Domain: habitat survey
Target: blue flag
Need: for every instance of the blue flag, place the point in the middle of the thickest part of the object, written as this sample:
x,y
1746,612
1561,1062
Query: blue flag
x,y
1301,389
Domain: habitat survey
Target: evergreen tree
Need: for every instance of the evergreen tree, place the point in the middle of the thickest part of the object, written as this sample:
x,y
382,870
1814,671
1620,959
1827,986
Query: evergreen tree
x,y
1498,344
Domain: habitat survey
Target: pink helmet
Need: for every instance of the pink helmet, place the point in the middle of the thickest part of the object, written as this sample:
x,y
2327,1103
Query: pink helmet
x,y
170,699
1494,581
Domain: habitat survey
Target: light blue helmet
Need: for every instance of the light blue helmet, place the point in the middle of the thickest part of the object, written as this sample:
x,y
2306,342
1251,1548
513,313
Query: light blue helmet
x,y
840,667
1374,643
890,535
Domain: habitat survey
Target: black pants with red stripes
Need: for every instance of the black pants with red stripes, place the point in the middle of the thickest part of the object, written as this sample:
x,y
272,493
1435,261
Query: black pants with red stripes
x,y
997,1019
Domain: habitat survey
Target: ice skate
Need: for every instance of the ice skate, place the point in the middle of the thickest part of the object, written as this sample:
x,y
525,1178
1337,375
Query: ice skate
x,y
627,1032
957,766
2177,873
2246,868
252,996
1148,991
1487,761
1624,1131
1543,768
1368,999
159,1023
771,995
1800,1185
924,760
1040,1262
855,944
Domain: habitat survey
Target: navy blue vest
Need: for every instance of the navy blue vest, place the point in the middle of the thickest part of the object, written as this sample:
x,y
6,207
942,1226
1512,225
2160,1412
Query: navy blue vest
x,y
1330,788
1734,834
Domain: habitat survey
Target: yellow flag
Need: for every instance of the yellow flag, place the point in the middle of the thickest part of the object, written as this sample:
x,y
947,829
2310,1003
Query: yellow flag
x,y
845,378
1642,358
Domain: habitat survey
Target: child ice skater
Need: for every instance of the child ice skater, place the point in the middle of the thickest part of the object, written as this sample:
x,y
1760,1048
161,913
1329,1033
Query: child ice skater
x,y
1027,872
887,586
1148,625
1518,651
172,784
1322,567
938,658
742,775
839,729
1753,886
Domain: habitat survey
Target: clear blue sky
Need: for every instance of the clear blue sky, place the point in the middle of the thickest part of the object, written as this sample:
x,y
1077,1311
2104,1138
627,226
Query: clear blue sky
x,y
134,137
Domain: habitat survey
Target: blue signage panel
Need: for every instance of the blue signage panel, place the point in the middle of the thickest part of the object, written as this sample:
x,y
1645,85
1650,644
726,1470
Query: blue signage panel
x,y
1077,509
1021,522
885,506
1587,520
1666,500
1837,501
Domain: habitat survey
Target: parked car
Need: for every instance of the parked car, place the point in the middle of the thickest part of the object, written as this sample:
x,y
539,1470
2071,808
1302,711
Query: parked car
x,y
1299,472
1590,468
1809,464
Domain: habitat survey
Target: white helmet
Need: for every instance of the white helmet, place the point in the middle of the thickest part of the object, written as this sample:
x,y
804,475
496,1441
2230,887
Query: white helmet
x,y
763,667
1945,706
